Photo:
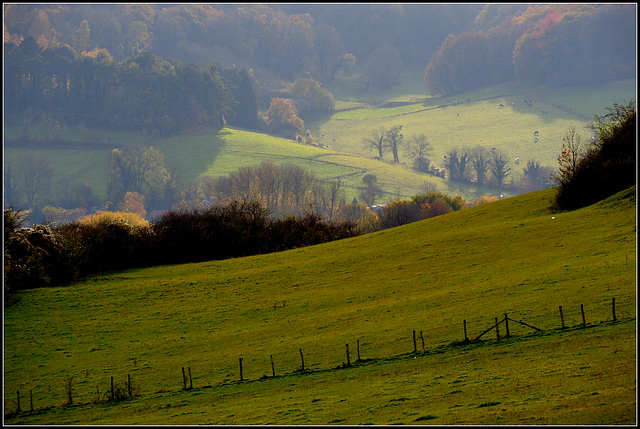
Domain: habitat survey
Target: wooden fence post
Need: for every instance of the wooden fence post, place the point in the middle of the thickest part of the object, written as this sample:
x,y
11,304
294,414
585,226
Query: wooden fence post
x,y
466,339
415,346
302,359
497,331
129,384
184,379
358,344
31,398
348,360
422,339
113,394
584,322
273,368
190,380
240,360
613,309
561,317
506,325
18,393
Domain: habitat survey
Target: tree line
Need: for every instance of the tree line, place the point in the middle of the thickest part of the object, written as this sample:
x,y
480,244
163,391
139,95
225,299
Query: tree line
x,y
52,255
279,41
558,44
142,92
42,256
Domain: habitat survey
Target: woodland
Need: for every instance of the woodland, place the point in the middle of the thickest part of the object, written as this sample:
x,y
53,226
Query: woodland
x,y
164,67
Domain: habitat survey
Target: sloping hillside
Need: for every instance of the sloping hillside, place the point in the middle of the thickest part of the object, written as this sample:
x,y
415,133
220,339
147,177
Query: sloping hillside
x,y
512,256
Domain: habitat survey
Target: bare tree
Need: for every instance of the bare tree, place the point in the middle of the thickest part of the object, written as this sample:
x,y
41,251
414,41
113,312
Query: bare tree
x,y
297,182
394,139
34,175
269,183
329,197
569,158
418,146
243,185
376,140
11,181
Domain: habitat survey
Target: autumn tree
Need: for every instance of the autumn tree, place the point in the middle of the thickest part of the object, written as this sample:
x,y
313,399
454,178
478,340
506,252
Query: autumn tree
x,y
310,98
398,213
360,216
381,71
133,203
371,191
138,168
282,118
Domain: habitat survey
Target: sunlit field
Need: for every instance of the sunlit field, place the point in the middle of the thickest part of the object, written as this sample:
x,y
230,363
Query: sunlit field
x,y
371,292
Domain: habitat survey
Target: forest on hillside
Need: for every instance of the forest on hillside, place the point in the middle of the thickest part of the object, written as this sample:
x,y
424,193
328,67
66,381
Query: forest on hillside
x,y
162,68
461,46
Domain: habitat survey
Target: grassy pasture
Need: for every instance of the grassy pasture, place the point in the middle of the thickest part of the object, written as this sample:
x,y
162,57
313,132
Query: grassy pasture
x,y
480,121
510,256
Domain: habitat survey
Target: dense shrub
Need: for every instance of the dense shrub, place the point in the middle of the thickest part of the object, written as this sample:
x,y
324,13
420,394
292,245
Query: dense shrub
x,y
33,257
605,167
106,242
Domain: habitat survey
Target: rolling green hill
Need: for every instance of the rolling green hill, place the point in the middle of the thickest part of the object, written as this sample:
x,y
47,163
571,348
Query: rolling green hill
x,y
370,292
478,122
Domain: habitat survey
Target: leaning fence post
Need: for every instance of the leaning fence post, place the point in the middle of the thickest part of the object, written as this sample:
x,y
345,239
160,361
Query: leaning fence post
x,y
18,393
302,359
497,331
240,360
415,346
466,339
584,322
273,368
561,317
358,344
31,398
613,309
506,325
129,384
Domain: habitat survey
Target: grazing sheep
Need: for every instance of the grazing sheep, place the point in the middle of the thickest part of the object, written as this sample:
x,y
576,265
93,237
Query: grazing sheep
x,y
544,112
501,105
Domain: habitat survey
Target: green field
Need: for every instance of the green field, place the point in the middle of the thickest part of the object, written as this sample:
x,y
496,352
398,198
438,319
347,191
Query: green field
x,y
478,122
511,256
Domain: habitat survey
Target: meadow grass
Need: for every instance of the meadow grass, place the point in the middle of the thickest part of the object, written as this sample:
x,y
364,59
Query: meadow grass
x,y
511,256
478,122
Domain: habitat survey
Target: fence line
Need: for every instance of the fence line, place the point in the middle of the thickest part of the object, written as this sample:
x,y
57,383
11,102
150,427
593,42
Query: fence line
x,y
495,325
